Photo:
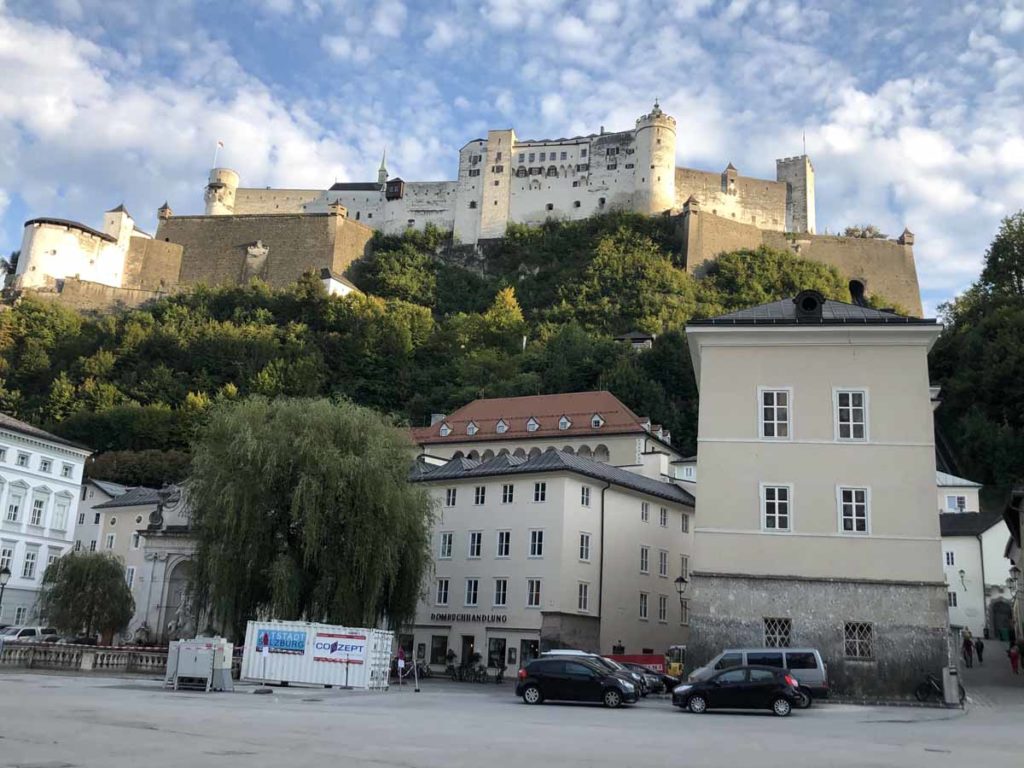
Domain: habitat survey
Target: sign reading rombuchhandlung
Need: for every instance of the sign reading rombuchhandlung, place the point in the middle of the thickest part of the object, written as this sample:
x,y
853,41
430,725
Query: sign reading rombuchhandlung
x,y
339,648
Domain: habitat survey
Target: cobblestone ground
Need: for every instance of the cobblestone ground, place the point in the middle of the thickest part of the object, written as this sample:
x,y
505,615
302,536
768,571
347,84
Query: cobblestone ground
x,y
48,721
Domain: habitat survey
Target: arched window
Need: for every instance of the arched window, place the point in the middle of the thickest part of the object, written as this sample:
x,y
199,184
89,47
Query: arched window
x,y
520,453
857,293
601,454
487,455
568,449
552,171
584,452
474,455
534,452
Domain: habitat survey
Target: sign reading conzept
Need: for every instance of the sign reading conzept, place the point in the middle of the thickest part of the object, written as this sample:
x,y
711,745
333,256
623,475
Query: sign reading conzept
x,y
339,648
281,641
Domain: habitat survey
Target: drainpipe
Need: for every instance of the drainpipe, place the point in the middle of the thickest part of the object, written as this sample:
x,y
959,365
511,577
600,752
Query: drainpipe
x,y
984,589
600,572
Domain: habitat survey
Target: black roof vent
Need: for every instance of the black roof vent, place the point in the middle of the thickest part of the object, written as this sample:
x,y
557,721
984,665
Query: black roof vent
x,y
808,306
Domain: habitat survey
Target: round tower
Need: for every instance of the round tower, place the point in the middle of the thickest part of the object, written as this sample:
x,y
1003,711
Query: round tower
x,y
220,192
655,185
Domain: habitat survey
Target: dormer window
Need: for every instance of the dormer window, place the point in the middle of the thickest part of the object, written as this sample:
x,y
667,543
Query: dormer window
x,y
501,427
471,429
445,430
596,421
564,423
532,425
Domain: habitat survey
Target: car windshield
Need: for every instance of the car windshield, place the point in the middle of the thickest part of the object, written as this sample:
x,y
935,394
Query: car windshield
x,y
612,663
10,631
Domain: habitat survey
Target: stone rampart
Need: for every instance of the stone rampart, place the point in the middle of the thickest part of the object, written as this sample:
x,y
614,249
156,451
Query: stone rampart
x,y
152,265
89,296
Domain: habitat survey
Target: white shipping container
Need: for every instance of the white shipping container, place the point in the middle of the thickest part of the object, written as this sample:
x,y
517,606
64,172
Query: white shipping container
x,y
317,654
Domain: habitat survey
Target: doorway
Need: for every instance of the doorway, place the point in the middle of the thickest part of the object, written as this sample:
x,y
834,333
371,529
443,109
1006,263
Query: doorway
x,y
528,651
1002,620
468,643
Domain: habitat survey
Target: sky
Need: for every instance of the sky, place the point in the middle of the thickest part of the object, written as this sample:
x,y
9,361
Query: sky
x,y
912,112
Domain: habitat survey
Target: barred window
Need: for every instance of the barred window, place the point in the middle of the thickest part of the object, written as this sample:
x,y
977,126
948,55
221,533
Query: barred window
x,y
777,632
859,639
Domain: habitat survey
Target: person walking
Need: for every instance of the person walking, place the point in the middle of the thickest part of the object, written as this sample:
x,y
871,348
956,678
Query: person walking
x,y
1014,654
967,649
979,648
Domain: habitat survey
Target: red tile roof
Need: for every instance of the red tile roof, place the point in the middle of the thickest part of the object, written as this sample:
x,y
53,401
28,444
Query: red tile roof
x,y
578,407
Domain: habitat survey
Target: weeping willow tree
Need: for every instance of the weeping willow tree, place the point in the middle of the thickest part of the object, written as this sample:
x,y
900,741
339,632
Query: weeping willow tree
x,y
302,510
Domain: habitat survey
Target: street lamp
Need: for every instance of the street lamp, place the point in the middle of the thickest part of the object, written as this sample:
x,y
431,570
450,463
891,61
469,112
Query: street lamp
x,y
5,576
681,583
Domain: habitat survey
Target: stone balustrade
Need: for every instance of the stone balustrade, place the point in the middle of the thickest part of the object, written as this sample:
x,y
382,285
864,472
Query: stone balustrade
x,y
150,661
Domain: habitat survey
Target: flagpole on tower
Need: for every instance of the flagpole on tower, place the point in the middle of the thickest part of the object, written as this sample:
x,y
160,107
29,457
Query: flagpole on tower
x,y
216,152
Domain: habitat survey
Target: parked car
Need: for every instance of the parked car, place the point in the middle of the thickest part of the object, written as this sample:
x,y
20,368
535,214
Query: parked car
x,y
741,688
49,638
610,665
25,634
805,664
652,680
573,679
78,640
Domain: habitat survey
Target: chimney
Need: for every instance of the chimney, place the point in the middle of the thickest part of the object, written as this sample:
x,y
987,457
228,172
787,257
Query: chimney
x,y
437,418
654,465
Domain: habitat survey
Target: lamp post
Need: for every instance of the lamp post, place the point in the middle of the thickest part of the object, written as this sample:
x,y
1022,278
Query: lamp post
x,y
681,584
5,576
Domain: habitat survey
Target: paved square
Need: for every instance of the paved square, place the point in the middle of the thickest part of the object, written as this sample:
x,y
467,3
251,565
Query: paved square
x,y
51,720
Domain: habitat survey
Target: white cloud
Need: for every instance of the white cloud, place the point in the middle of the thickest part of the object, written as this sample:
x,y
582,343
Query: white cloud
x,y
340,47
389,18
573,31
441,37
603,11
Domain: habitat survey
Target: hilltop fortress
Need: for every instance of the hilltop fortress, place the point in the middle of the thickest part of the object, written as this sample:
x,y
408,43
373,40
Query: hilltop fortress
x,y
278,234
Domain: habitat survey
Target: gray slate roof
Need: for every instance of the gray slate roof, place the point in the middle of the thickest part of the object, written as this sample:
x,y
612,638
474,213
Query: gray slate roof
x,y
109,488
946,480
554,461
136,497
832,313
969,523
355,186
16,425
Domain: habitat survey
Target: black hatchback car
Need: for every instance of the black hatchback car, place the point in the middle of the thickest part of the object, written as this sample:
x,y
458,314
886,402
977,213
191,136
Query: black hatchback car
x,y
569,679
741,688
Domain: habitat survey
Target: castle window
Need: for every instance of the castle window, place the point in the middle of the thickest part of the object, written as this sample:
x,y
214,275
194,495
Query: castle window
x,y
369,215
357,215
552,171
521,171
497,183
583,167
497,168
583,153
497,157
600,201
411,222
472,203
659,141
612,151
576,184
549,207
543,156
612,166
533,155
564,155
629,165
474,171
522,157
575,203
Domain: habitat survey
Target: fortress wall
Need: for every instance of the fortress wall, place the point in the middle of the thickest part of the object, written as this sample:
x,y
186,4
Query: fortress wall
x,y
757,201
87,295
251,200
884,266
351,241
706,235
151,264
216,247
423,202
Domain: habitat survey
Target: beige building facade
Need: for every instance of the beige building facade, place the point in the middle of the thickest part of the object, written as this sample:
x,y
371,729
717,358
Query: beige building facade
x,y
548,552
817,486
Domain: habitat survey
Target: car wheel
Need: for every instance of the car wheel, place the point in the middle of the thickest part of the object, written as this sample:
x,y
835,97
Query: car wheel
x,y
532,695
781,707
698,705
612,698
805,698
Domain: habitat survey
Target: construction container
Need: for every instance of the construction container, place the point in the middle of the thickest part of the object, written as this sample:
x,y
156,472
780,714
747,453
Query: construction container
x,y
316,654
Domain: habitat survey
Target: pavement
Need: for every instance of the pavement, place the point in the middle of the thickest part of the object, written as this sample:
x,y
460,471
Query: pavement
x,y
57,721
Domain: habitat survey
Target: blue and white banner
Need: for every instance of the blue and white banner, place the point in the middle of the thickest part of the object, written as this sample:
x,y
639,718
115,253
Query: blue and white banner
x,y
281,641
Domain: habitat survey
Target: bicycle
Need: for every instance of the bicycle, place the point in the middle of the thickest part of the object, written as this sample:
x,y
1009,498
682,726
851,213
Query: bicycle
x,y
932,688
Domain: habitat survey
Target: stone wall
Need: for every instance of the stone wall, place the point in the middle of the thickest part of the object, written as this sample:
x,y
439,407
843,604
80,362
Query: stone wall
x,y
705,236
759,202
250,200
567,630
152,265
909,626
89,296
229,250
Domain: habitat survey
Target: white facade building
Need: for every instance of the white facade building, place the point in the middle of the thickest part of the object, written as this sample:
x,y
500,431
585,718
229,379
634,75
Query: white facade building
x,y
548,552
40,475
89,524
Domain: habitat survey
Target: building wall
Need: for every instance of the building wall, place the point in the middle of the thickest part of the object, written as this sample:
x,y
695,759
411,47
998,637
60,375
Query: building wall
x,y
496,172
758,202
51,252
87,529
970,494
969,611
152,265
21,541
83,295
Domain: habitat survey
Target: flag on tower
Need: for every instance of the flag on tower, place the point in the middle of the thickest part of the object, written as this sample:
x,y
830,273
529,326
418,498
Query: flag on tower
x,y
220,144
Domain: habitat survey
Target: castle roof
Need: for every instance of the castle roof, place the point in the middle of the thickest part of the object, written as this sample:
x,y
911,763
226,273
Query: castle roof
x,y
355,186
730,167
120,209
71,225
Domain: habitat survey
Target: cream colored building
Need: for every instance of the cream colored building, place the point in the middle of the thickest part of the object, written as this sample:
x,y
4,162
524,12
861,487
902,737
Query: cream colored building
x,y
551,551
817,485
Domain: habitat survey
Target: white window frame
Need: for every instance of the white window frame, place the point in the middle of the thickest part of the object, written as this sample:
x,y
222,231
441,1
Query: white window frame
x,y
444,430
78,545
129,576
474,542
540,492
45,465
584,552
7,555
472,428
684,524
836,391
951,599
663,517
867,509
645,559
19,614
663,609
437,591
61,510
479,495
596,421
501,427
109,541
503,581
536,543
585,495
508,544
451,496
789,413
644,606
446,543
956,502
476,592
583,596
859,642
92,545
764,507
663,563
645,511
532,425
22,460
564,423
67,470
36,507
508,493
950,557
529,593
684,566
29,564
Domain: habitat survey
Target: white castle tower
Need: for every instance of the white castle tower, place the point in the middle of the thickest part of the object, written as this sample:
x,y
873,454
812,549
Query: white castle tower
x,y
220,192
656,162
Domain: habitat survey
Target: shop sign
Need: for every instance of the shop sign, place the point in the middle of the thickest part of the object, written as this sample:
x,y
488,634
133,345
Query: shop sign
x,y
481,618
345,648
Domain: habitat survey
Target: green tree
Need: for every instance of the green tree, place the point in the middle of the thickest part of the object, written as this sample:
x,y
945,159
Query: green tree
x,y
86,592
302,509
1004,262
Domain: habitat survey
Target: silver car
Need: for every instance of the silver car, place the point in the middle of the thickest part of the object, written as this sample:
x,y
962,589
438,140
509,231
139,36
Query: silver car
x,y
805,664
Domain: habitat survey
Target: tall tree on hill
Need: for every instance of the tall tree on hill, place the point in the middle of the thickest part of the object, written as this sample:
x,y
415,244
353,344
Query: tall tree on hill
x,y
302,511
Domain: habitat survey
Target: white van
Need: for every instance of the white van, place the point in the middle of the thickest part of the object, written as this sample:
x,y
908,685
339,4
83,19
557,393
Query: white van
x,y
25,634
804,664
